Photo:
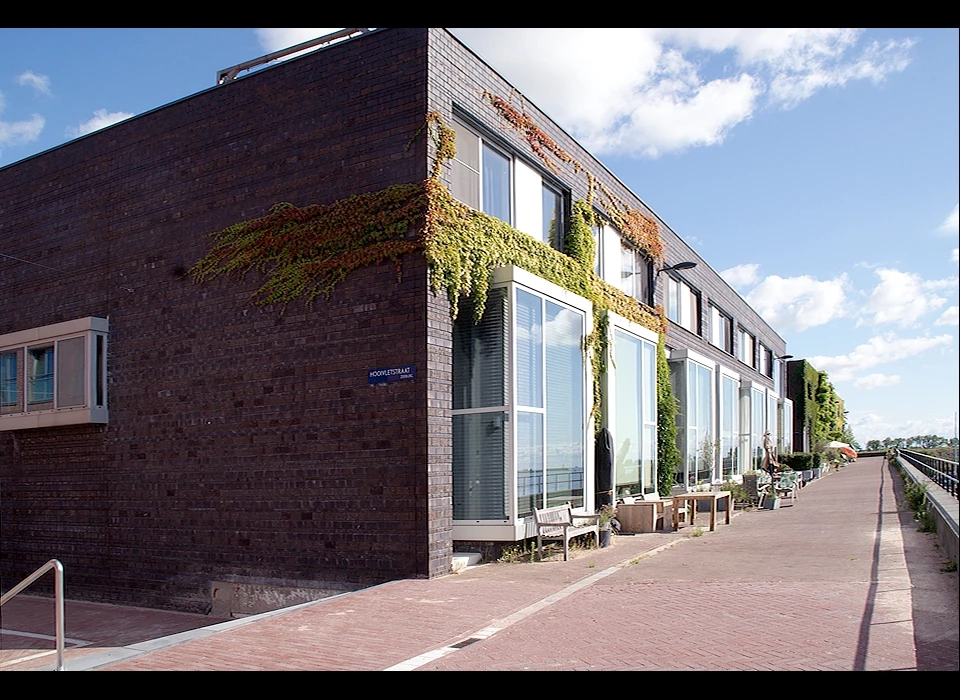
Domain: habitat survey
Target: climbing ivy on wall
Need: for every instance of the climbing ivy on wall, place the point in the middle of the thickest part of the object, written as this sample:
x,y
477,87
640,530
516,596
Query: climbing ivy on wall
x,y
305,252
668,455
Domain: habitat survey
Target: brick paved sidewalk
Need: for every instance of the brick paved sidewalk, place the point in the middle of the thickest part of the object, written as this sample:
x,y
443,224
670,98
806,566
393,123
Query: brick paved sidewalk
x,y
821,584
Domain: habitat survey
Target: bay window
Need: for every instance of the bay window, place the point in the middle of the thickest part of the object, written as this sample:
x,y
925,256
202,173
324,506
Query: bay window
x,y
729,424
520,411
757,423
692,380
54,375
630,391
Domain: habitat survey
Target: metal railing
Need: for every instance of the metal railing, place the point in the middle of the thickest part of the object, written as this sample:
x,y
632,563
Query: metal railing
x,y
942,472
228,74
58,600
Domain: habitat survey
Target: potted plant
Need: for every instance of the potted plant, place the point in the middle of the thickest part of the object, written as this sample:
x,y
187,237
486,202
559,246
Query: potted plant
x,y
770,501
607,523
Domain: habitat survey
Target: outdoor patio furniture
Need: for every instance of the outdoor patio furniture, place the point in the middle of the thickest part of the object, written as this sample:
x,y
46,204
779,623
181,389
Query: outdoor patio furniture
x,y
788,485
560,524
645,513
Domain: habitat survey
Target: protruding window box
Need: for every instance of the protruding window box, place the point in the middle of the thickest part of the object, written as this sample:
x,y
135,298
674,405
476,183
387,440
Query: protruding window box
x,y
54,375
521,420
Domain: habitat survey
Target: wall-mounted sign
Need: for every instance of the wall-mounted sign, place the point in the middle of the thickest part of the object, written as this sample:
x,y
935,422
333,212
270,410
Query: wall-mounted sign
x,y
391,374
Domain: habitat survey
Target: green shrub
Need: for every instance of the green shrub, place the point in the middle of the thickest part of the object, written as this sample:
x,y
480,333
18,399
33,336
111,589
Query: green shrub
x,y
801,461
916,496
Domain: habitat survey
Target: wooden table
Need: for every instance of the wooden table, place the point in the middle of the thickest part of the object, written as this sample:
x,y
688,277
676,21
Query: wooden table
x,y
691,499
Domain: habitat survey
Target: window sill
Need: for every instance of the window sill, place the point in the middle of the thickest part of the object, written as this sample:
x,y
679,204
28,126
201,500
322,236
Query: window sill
x,y
53,418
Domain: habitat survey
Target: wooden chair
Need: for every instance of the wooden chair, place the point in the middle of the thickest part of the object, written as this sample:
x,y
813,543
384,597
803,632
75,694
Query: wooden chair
x,y
664,512
680,513
788,485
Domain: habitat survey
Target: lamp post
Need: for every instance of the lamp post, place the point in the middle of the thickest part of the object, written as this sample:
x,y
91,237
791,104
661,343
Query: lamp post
x,y
686,265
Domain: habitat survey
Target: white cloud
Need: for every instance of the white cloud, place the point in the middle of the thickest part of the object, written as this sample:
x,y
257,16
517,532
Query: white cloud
x,y
647,91
872,381
952,223
21,132
879,350
955,255
950,317
100,119
741,276
40,83
873,426
903,297
799,302
275,39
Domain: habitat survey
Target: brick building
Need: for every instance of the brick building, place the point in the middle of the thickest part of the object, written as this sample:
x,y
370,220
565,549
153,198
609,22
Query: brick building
x,y
158,435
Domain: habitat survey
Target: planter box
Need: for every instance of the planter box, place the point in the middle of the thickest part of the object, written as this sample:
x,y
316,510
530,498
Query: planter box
x,y
771,503
816,472
807,475
605,536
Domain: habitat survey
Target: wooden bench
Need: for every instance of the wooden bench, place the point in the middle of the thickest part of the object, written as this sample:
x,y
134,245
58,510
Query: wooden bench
x,y
559,523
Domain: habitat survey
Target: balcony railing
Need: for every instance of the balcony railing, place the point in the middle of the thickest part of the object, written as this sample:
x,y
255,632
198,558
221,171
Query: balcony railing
x,y
942,472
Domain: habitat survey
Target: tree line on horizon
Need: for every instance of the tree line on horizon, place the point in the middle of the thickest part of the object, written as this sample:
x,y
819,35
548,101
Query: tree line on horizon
x,y
917,441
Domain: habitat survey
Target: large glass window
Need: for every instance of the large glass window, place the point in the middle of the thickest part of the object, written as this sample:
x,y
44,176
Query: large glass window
x,y
772,418
693,385
565,400
549,386
487,177
729,425
480,411
786,427
757,422
634,427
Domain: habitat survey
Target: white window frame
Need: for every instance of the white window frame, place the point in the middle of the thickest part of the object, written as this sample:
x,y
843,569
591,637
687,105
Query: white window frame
x,y
743,333
527,185
726,373
718,320
685,312
610,386
683,358
516,528
92,408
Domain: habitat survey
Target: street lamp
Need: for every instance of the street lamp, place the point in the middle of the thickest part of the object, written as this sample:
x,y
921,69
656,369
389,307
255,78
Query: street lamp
x,y
679,266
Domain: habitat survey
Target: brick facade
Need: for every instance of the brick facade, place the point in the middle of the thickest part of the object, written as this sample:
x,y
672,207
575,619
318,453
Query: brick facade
x,y
245,444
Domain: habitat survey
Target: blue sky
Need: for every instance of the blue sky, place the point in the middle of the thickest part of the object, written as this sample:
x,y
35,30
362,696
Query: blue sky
x,y
817,170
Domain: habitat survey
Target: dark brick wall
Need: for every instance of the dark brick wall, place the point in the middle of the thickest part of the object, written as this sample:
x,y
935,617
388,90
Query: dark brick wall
x,y
243,443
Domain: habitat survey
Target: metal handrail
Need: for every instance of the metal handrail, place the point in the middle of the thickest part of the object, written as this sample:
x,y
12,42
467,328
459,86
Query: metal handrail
x,y
58,600
942,472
